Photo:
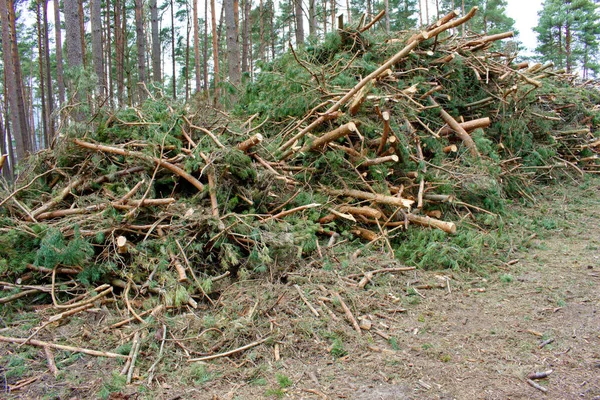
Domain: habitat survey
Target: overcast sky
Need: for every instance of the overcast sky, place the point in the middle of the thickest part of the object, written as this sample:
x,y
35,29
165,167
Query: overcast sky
x,y
524,12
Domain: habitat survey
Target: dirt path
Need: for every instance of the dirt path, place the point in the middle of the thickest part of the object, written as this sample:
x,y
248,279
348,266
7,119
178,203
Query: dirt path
x,y
481,340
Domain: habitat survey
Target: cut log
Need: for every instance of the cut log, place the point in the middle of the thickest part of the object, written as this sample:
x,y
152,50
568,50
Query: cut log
x,y
250,142
330,137
374,197
460,131
467,126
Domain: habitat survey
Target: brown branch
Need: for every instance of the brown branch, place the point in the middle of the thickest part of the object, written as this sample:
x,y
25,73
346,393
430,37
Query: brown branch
x,y
373,21
115,150
250,142
39,343
230,352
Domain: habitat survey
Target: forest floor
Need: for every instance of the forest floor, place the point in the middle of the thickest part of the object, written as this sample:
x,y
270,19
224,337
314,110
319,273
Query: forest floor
x,y
451,335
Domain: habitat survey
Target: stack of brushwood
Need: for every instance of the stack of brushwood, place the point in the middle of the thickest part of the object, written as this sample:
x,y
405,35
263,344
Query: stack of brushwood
x,y
417,131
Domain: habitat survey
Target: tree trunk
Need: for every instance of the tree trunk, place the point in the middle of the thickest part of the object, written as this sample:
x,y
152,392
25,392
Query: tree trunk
x,y
349,12
387,16
215,43
173,49
568,60
421,13
205,46
13,80
74,49
98,47
272,28
49,95
186,77
156,76
119,52
141,46
233,51
6,168
59,59
82,32
333,15
108,56
312,19
196,43
324,17
261,31
299,22
44,134
246,35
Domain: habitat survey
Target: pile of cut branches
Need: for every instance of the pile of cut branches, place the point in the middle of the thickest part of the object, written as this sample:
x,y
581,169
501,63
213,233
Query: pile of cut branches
x,y
357,138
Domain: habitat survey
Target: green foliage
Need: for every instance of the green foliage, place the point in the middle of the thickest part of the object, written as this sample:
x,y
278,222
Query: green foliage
x,y
115,383
54,250
337,348
283,381
434,249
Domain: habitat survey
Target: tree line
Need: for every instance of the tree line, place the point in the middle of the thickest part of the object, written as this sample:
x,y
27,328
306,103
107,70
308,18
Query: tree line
x,y
99,53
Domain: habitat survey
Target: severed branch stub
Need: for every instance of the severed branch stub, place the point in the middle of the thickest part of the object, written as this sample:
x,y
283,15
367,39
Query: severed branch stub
x,y
460,131
250,142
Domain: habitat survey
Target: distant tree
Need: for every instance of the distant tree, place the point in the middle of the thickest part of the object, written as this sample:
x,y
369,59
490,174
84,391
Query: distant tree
x,y
141,46
233,50
568,34
156,76
98,46
59,60
13,81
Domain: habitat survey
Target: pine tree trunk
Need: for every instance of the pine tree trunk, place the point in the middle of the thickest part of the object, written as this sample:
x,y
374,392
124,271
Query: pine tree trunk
x,y
98,46
312,19
7,168
246,35
205,46
233,50
215,43
44,134
74,49
82,29
119,52
421,13
141,46
324,17
108,56
196,43
261,31
173,49
49,91
387,16
186,78
568,54
59,51
13,81
272,28
333,15
156,76
349,12
299,22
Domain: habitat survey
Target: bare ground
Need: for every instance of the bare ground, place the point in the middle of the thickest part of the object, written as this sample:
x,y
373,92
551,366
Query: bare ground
x,y
476,338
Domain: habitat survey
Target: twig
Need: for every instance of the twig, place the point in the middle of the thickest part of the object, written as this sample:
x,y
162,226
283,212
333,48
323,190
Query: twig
x,y
537,386
230,352
160,353
50,360
39,343
305,300
16,296
347,312
137,344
